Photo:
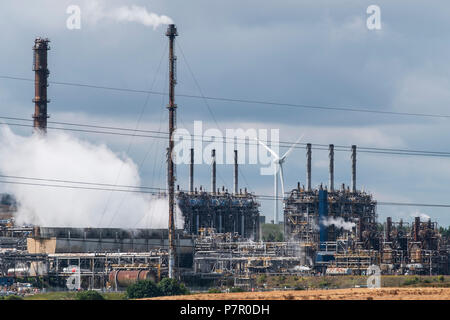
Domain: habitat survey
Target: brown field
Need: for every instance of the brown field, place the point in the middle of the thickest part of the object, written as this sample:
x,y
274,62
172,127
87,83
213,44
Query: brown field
x,y
334,294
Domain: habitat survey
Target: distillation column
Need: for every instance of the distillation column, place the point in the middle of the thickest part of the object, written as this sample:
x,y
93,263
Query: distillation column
x,y
308,166
236,172
353,168
213,173
331,169
41,73
191,172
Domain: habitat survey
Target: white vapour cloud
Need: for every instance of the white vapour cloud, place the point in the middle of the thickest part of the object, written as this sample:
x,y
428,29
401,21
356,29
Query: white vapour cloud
x,y
97,11
140,15
423,216
63,157
338,222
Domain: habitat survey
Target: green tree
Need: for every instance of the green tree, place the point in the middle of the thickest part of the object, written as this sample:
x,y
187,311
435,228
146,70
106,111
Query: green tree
x,y
13,297
445,231
171,287
89,295
143,289
272,232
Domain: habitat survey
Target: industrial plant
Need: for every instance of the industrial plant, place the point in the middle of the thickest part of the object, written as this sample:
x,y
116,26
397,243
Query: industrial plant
x,y
328,229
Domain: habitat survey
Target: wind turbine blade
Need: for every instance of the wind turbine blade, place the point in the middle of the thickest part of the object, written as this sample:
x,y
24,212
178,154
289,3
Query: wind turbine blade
x,y
275,199
282,181
268,149
292,147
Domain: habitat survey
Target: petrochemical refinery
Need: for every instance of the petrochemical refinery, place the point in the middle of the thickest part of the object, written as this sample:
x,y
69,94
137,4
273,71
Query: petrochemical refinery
x,y
328,229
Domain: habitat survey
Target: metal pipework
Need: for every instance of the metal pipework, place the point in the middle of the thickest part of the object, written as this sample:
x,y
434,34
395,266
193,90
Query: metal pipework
x,y
191,172
353,168
360,229
213,173
236,172
41,73
308,166
331,170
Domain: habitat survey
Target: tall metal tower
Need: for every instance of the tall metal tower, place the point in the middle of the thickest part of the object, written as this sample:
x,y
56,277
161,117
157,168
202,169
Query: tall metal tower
x,y
41,73
171,33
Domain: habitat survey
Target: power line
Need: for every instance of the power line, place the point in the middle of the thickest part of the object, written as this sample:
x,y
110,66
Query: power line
x,y
78,182
372,150
258,196
144,107
247,101
413,204
74,187
207,105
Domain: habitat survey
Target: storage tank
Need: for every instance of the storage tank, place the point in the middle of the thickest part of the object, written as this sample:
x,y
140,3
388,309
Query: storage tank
x,y
124,278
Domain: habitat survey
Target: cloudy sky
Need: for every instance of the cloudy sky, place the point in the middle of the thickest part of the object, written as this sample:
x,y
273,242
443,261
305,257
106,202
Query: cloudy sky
x,y
318,53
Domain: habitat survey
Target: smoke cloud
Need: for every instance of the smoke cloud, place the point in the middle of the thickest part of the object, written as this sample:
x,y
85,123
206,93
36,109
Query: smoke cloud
x,y
97,10
140,15
63,157
423,216
339,223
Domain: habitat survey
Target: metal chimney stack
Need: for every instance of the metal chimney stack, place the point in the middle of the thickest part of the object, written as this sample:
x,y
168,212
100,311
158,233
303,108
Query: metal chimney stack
x,y
388,229
191,172
331,171
416,228
213,173
171,34
41,73
308,166
236,190
353,168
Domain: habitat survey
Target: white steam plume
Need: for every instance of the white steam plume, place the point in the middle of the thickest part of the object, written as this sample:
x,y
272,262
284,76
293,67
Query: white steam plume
x,y
96,10
140,15
423,216
60,156
338,222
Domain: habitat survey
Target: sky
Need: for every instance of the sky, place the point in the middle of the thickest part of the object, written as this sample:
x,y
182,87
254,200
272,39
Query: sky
x,y
318,53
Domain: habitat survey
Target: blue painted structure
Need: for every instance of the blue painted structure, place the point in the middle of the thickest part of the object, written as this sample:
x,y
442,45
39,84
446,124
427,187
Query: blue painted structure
x,y
323,215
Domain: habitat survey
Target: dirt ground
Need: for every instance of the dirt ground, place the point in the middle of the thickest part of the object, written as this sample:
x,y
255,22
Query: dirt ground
x,y
335,294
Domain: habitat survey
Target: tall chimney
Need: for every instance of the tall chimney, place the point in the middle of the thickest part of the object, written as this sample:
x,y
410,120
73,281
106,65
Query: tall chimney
x,y
388,229
416,228
171,34
191,172
213,174
331,155
236,172
308,166
41,73
353,168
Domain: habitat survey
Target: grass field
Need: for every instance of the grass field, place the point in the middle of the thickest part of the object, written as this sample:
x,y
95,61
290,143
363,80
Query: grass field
x,y
314,286
333,294
342,282
65,295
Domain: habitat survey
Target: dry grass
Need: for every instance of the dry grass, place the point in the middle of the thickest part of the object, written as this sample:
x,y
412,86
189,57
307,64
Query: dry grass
x,y
335,294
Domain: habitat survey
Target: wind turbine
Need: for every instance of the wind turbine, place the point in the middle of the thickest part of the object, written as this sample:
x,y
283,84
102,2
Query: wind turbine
x,y
278,168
